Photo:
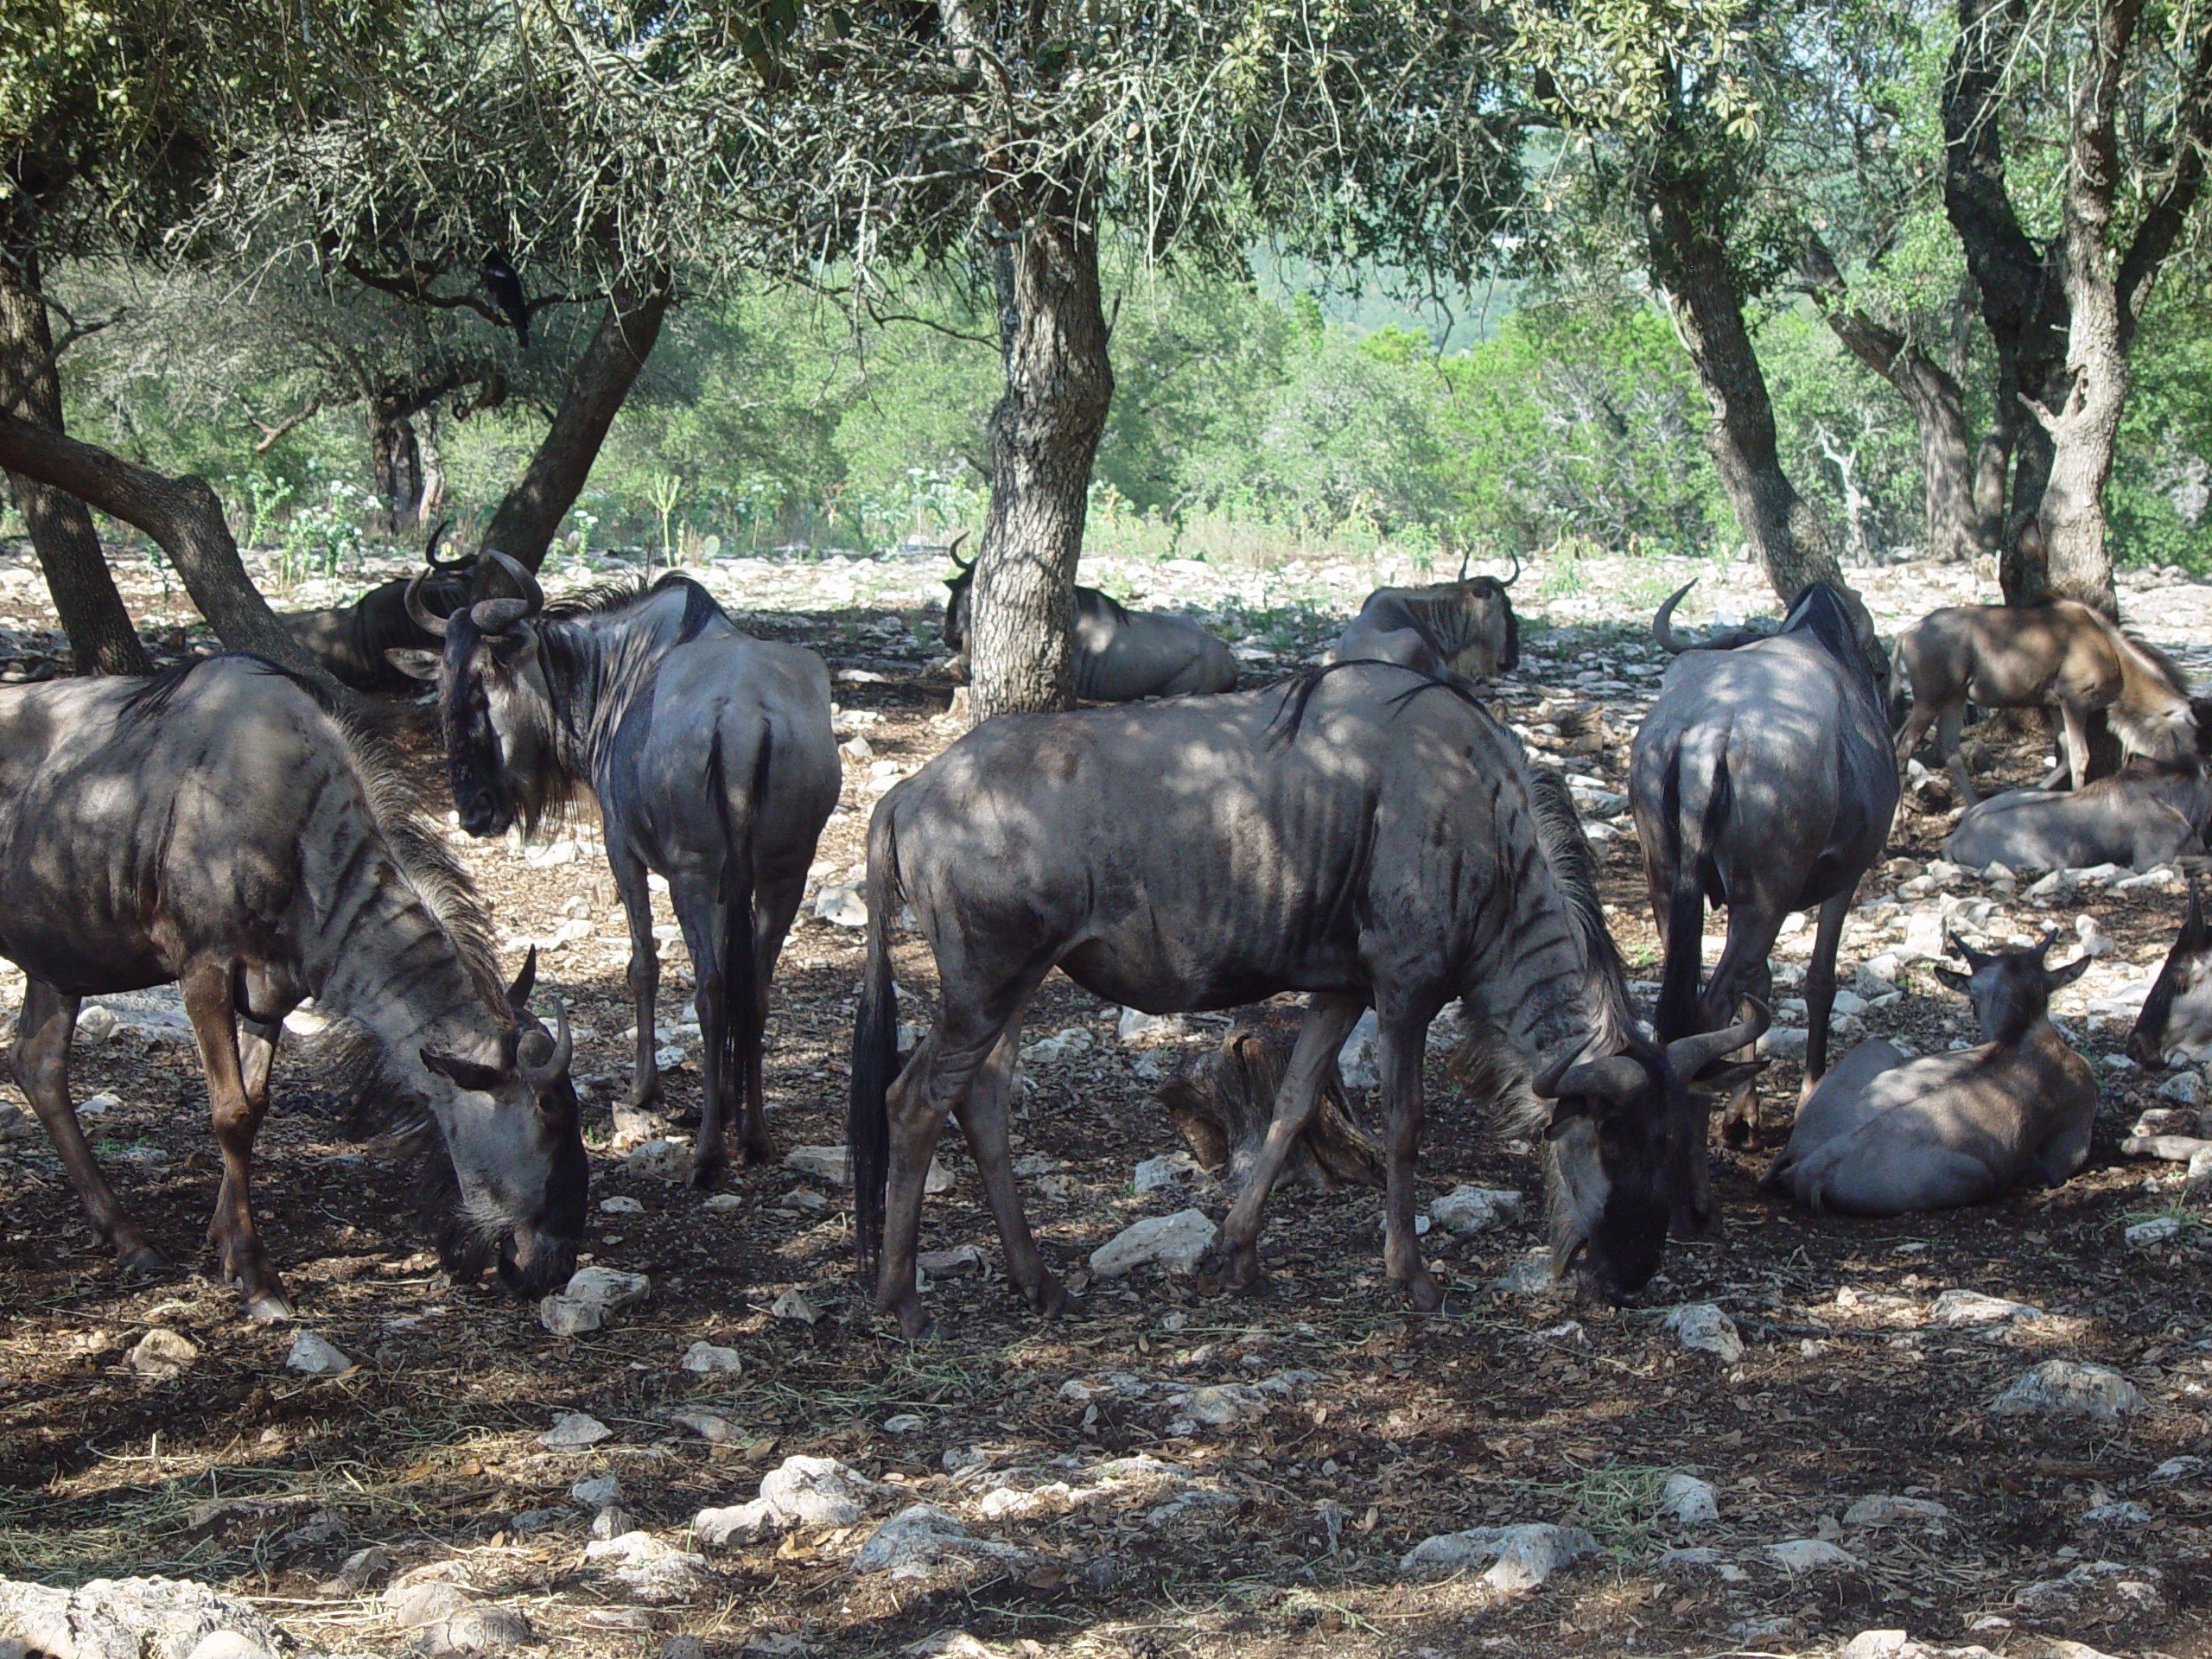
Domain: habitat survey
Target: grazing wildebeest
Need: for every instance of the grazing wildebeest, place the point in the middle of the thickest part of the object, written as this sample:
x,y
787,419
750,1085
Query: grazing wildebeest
x,y
1363,834
1466,627
1120,655
222,827
2148,813
350,642
1761,780
1887,1132
711,759
2177,1016
2056,654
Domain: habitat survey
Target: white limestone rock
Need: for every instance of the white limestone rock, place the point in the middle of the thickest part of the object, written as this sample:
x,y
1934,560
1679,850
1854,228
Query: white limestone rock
x,y
1520,1558
1176,1242
1703,1327
2066,1388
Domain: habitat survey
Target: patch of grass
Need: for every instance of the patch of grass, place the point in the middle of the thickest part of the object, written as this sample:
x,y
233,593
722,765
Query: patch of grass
x,y
1619,1504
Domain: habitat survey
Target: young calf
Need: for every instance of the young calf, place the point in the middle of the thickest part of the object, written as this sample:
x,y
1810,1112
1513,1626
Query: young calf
x,y
1886,1133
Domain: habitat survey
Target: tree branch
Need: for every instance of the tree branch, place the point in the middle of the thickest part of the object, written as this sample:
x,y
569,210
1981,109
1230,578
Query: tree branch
x,y
75,332
271,432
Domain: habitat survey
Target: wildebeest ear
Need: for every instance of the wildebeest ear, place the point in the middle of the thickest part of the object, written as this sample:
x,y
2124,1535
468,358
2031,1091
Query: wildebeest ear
x,y
525,982
1954,979
1728,1078
1564,1112
414,664
2055,977
463,1074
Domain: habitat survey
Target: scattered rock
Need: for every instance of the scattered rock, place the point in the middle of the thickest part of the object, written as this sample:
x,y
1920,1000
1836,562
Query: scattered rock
x,y
572,1431
1466,1210
596,1491
126,1619
1176,1242
2120,1590
945,1264
621,1205
418,1603
1521,1557
1531,1276
793,1306
706,1357
1689,1500
660,1159
842,905
906,1422
1356,1058
2180,1468
606,1287
817,1492
1136,1026
1069,1043
2066,1388
2149,1235
709,1425
922,1537
311,1354
1169,1169
1971,1307
2186,1087
949,1644
833,1165
739,1524
564,1316
162,1353
2127,1513
1705,1328
1885,1512
484,1628
652,1570
1807,1555
357,1573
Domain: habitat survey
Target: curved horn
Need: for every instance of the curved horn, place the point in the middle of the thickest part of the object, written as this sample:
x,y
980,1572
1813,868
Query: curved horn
x,y
421,614
953,553
1690,1055
459,561
1618,1077
544,1073
1663,628
1465,553
498,615
1973,958
1515,576
525,584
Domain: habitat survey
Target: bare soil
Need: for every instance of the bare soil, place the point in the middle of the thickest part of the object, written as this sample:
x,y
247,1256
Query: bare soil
x,y
1507,1408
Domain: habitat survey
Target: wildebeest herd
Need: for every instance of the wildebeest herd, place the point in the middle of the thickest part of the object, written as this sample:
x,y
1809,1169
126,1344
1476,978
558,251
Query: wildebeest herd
x,y
1366,833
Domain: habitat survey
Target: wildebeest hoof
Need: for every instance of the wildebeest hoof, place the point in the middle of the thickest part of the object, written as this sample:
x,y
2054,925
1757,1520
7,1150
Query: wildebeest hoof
x,y
268,1306
707,1173
1051,1299
1425,1293
681,1117
755,1154
145,1260
1738,1133
914,1322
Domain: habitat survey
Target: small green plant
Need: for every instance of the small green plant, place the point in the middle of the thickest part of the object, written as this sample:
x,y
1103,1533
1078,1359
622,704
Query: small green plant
x,y
263,495
665,490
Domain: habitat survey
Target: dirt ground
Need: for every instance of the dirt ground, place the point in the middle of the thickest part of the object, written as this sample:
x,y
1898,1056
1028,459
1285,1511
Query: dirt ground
x,y
1284,1531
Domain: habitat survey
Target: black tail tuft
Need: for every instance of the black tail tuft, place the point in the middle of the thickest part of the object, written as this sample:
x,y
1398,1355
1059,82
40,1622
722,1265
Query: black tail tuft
x,y
875,1054
742,1031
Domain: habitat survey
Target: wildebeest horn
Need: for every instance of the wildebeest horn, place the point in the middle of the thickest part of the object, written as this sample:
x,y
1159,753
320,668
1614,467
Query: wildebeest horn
x,y
525,584
1690,1055
1617,1077
1973,958
498,615
1663,628
1465,553
542,1073
953,553
459,561
421,614
1515,576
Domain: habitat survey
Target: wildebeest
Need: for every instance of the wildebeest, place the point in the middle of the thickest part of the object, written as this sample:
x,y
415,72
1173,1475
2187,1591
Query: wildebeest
x,y
1761,780
349,643
2177,1016
1362,834
2055,654
1120,655
222,827
1466,627
1886,1132
2148,813
711,759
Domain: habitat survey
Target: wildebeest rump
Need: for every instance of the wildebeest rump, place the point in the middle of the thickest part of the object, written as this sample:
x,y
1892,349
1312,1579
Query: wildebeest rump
x,y
2177,1016
711,759
221,827
349,642
1365,834
2056,654
1120,655
1886,1134
1466,627
1761,780
2147,813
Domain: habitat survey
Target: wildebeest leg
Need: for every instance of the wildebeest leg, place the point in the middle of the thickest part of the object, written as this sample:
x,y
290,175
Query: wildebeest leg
x,y
1916,726
40,1062
1329,1020
209,1004
2077,746
1950,738
2065,1150
644,969
699,913
1742,971
1819,983
1398,1045
982,1118
775,904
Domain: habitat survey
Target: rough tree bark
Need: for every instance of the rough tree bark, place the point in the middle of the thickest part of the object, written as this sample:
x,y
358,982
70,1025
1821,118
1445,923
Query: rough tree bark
x,y
528,519
101,636
1044,435
1222,1103
184,516
396,457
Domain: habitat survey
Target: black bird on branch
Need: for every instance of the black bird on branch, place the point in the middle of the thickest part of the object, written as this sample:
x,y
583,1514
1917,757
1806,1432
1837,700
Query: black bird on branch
x,y
504,283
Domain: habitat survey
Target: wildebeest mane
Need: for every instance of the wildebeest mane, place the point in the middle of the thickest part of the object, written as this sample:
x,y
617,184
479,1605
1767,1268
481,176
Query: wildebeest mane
x,y
1299,689
606,598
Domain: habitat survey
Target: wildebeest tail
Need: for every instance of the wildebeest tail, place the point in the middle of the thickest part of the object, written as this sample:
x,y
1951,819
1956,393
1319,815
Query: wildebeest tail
x,y
875,1049
1693,822
742,1031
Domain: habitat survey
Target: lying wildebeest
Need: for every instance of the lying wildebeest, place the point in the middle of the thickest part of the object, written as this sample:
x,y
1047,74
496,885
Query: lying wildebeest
x,y
2177,1016
1887,1132
2148,813
1761,780
222,827
1362,834
711,759
1466,627
350,642
2056,654
1120,655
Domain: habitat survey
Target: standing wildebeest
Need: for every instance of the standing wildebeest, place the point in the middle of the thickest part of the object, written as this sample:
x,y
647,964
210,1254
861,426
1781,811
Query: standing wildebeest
x,y
1760,780
2177,1016
2146,813
1362,834
712,761
1120,655
1466,627
350,642
1886,1134
222,827
2056,654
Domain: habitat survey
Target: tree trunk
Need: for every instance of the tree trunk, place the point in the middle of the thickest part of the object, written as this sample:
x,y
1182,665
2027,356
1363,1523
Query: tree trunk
x,y
530,518
183,515
396,462
1044,435
101,636
1222,1103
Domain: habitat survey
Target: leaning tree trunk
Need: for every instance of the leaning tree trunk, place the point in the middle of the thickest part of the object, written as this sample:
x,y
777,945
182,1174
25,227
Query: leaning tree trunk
x,y
396,465
101,636
530,518
1222,1103
1044,435
183,515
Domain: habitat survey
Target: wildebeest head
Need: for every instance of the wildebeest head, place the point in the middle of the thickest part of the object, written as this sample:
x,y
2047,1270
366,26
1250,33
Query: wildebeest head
x,y
494,706
956,602
1628,1140
2176,1017
511,1191
2010,990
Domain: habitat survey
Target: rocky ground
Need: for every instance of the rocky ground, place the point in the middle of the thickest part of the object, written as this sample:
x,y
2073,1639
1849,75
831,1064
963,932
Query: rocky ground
x,y
1815,1431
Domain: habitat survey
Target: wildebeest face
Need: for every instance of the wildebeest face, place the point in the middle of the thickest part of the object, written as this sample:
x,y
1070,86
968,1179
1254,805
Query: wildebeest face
x,y
2177,1016
955,612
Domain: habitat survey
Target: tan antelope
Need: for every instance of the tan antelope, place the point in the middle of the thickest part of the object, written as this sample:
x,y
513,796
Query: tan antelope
x,y
2055,655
